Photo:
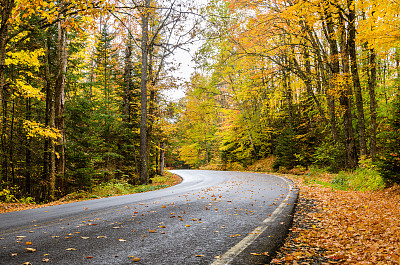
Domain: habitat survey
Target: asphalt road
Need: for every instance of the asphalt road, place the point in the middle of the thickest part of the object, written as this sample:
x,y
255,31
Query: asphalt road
x,y
212,217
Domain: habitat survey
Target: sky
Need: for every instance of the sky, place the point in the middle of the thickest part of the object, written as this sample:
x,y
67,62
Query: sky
x,y
186,64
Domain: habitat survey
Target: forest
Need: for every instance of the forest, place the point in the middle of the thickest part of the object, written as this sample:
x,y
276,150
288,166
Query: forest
x,y
82,89
311,83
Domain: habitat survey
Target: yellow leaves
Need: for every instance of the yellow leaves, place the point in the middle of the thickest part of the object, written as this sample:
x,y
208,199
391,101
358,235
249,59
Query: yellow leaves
x,y
35,129
25,89
25,58
260,254
30,250
70,249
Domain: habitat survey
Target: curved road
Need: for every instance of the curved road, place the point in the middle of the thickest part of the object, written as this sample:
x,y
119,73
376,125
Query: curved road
x,y
211,217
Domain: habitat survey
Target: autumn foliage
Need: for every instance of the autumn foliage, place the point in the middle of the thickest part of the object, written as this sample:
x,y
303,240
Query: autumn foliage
x,y
312,82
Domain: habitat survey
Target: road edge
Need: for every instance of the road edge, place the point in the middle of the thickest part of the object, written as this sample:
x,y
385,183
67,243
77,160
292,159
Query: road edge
x,y
286,210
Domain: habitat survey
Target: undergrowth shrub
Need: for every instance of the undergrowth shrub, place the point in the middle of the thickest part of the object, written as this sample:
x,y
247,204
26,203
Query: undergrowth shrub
x,y
360,179
159,179
330,156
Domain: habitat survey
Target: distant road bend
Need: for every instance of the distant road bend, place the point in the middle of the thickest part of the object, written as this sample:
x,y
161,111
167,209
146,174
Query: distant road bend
x,y
212,217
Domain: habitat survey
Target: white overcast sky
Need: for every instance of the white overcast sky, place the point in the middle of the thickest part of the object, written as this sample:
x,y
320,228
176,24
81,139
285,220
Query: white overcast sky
x,y
185,60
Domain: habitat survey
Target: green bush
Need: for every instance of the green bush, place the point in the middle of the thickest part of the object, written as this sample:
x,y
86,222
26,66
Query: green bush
x,y
360,179
285,150
112,187
330,156
389,165
6,195
159,179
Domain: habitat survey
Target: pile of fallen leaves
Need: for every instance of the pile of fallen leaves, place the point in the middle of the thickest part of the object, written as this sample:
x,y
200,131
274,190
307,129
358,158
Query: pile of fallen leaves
x,y
346,227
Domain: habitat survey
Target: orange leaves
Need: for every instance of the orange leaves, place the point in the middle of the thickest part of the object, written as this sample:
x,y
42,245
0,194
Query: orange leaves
x,y
353,227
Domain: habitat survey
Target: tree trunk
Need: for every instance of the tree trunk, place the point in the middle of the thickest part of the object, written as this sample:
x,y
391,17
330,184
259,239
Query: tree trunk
x,y
28,153
52,150
144,174
127,96
345,102
60,100
4,139
162,157
49,98
345,93
372,99
151,103
351,42
5,13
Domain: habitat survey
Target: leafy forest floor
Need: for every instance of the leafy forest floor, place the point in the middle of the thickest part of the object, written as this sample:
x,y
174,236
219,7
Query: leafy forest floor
x,y
342,226
112,188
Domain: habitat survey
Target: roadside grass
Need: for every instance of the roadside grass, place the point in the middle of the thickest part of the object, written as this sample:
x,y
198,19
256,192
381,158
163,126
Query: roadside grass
x,y
108,189
363,178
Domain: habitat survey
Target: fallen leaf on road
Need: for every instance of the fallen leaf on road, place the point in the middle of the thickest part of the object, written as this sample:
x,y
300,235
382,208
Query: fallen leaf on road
x,y
70,249
45,260
26,263
187,225
255,254
28,243
121,240
136,259
89,257
14,254
30,249
101,237
152,231
199,255
84,237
